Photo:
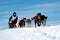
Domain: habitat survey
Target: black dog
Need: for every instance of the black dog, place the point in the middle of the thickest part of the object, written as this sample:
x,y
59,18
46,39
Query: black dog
x,y
22,22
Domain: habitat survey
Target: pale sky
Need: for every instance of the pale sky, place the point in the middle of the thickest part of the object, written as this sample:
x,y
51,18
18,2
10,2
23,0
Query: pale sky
x,y
28,9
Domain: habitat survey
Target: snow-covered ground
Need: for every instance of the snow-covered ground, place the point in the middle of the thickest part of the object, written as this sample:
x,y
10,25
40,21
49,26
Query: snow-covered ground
x,y
39,33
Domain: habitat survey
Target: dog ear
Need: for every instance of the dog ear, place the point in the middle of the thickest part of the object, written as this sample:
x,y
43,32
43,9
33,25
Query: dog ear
x,y
32,18
46,17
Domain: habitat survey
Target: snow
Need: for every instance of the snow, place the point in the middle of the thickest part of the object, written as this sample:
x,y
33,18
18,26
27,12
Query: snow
x,y
39,33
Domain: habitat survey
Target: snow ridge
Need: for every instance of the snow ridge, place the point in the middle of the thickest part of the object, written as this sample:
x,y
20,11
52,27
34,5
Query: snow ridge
x,y
39,33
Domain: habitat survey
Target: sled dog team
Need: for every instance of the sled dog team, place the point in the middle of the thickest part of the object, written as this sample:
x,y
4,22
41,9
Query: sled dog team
x,y
38,20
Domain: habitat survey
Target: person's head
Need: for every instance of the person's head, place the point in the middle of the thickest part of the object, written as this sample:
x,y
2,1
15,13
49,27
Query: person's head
x,y
38,14
14,14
